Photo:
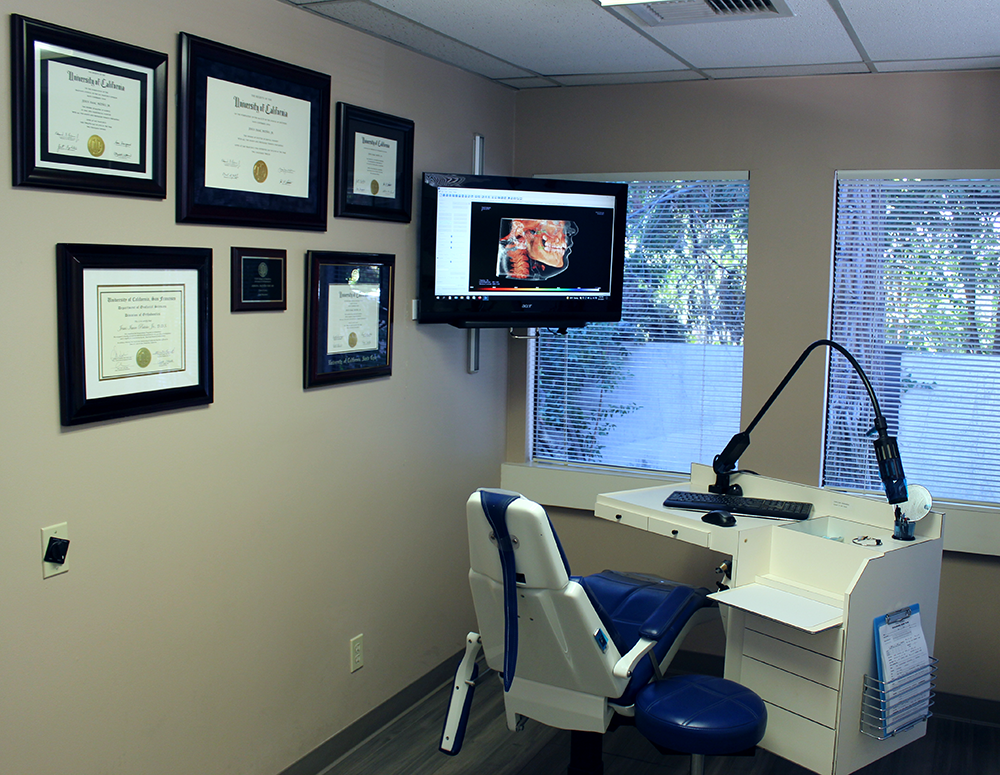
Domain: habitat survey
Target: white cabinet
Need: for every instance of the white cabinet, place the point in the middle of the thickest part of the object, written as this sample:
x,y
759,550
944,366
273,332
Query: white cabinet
x,y
802,606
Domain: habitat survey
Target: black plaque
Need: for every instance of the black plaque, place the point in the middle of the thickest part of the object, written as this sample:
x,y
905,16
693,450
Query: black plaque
x,y
259,279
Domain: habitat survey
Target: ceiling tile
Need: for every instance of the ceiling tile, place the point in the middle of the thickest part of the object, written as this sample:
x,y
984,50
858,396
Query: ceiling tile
x,y
528,83
813,35
609,79
985,63
545,43
377,21
843,68
918,29
546,36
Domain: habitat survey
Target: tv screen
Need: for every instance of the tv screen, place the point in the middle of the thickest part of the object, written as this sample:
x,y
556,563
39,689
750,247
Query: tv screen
x,y
501,252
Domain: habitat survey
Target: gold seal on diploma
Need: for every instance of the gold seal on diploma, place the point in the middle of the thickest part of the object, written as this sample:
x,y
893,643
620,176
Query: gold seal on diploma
x,y
95,145
143,357
260,171
352,339
374,187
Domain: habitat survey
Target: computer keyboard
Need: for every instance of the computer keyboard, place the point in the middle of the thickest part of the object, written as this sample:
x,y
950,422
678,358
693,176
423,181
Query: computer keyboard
x,y
738,504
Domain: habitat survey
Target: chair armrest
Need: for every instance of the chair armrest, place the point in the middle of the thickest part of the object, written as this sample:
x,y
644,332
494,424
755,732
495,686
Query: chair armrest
x,y
665,614
623,667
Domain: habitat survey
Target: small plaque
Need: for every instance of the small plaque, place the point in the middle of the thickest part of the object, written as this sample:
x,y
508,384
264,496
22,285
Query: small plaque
x,y
259,279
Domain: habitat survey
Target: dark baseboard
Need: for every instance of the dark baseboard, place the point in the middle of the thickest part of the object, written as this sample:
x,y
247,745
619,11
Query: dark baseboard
x,y
326,754
949,706
972,709
956,707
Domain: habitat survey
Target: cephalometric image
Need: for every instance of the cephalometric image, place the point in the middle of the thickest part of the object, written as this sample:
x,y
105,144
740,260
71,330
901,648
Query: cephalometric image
x,y
534,249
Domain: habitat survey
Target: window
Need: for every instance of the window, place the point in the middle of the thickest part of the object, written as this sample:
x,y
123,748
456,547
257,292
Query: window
x,y
663,386
916,291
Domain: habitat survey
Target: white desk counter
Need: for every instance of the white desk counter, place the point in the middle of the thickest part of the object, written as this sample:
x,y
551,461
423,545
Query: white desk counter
x,y
644,509
802,604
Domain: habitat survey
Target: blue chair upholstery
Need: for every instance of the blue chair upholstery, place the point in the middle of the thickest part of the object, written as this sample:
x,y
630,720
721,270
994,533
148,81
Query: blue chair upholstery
x,y
577,652
634,605
700,714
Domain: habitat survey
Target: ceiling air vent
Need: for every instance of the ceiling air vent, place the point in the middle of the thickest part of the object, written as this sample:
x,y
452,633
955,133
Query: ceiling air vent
x,y
668,12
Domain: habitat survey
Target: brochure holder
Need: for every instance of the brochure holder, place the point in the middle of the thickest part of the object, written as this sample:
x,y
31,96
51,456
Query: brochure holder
x,y
903,693
915,693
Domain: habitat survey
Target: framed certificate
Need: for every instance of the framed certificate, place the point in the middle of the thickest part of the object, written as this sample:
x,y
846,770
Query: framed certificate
x,y
135,330
374,153
258,279
253,139
88,113
348,316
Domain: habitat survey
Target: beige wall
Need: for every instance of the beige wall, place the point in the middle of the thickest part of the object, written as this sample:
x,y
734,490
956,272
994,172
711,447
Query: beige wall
x,y
792,134
223,556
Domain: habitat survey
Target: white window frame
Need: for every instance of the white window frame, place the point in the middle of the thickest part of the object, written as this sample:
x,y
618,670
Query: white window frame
x,y
970,526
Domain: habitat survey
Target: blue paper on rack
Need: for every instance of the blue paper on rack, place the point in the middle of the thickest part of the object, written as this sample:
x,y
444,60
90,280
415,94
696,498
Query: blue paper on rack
x,y
903,668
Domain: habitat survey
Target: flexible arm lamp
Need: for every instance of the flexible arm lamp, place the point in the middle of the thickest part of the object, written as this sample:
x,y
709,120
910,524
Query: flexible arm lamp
x,y
890,466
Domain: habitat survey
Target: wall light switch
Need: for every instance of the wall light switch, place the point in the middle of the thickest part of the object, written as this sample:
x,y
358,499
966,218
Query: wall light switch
x,y
357,653
61,533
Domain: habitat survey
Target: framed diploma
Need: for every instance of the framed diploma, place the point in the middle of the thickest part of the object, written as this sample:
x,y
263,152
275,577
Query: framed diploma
x,y
348,316
253,139
88,113
259,279
374,153
135,330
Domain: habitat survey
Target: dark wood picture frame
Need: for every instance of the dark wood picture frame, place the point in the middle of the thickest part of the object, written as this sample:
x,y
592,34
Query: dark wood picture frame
x,y
258,279
125,320
102,103
355,292
361,184
264,176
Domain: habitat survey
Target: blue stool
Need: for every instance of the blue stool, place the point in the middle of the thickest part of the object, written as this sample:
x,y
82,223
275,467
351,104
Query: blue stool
x,y
699,715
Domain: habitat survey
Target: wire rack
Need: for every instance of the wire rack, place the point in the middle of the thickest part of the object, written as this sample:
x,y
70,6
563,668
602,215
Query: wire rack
x,y
891,707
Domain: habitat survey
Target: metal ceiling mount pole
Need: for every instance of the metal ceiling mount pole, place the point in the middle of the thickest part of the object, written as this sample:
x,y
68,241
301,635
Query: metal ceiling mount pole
x,y
478,158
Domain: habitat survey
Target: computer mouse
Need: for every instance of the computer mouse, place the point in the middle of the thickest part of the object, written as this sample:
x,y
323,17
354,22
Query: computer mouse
x,y
720,518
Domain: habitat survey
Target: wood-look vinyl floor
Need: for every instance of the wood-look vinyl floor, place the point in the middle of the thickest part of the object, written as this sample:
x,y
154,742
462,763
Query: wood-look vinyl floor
x,y
409,746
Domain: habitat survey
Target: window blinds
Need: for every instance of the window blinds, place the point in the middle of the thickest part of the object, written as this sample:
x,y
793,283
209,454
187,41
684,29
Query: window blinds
x,y
915,299
661,388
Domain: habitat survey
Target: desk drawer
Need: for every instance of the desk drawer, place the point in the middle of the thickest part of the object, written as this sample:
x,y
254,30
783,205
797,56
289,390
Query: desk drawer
x,y
792,692
829,642
799,740
688,531
622,517
789,657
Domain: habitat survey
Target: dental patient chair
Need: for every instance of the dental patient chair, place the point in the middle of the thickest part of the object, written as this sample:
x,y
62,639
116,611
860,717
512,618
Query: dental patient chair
x,y
587,653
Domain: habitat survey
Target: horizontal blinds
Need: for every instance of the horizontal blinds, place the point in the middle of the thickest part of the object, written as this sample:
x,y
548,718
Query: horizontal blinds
x,y
916,289
662,387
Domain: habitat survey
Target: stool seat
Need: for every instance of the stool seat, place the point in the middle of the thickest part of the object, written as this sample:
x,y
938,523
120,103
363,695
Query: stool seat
x,y
700,714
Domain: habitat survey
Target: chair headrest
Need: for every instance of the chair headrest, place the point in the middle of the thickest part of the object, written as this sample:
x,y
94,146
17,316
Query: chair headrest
x,y
539,558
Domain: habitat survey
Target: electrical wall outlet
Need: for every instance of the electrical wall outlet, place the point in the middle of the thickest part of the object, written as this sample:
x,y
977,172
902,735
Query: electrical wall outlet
x,y
357,653
54,531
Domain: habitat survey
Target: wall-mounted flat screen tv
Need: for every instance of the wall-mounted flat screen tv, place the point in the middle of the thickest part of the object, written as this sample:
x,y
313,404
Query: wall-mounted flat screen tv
x,y
502,252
